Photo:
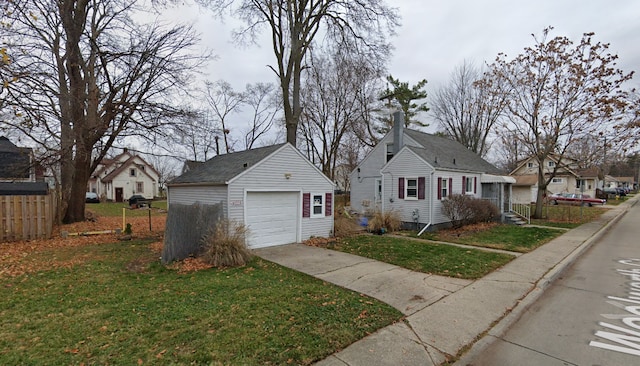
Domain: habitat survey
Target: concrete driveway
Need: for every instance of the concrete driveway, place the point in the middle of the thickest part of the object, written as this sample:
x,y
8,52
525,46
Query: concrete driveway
x,y
406,290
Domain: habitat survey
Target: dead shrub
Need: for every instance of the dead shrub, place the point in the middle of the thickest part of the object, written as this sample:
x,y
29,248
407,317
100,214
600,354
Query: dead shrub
x,y
224,246
388,220
463,210
344,226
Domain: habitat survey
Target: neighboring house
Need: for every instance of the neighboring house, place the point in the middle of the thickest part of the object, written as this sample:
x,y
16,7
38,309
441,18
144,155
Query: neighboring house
x,y
568,178
16,163
412,172
18,173
190,165
620,182
275,191
119,178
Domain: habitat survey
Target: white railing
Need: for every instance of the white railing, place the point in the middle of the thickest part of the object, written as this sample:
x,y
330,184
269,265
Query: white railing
x,y
523,210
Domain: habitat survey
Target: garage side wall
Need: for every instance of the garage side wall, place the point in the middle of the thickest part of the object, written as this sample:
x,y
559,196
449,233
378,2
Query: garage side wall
x,y
207,195
271,175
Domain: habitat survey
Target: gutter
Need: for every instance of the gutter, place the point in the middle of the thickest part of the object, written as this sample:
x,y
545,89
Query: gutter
x,y
430,206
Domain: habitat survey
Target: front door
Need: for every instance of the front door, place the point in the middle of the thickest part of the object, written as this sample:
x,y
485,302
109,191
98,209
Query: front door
x,y
119,194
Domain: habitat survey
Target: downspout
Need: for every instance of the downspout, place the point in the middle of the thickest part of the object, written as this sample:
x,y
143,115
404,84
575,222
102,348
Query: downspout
x,y
431,203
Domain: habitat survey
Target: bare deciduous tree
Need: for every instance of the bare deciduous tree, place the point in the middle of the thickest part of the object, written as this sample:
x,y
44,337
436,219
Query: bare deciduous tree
x,y
224,101
262,100
360,26
467,110
331,104
560,92
86,75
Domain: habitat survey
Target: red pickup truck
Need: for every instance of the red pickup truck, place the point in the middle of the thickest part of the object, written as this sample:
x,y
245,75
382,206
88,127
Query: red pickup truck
x,y
575,199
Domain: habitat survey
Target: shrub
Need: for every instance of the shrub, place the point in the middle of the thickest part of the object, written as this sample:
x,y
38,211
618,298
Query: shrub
x,y
224,246
344,226
388,220
464,210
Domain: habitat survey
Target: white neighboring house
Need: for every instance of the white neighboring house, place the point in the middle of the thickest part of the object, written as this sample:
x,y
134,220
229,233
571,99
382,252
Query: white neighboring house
x,y
127,174
412,172
568,179
275,191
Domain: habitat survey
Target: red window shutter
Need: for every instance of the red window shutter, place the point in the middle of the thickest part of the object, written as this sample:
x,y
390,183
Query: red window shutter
x,y
401,188
439,188
450,192
475,185
464,184
420,188
306,205
328,204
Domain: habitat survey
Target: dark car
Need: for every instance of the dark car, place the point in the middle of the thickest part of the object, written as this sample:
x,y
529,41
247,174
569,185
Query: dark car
x,y
91,197
138,201
615,191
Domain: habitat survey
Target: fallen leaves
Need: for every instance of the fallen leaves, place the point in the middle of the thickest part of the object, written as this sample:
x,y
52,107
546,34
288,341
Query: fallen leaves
x,y
21,257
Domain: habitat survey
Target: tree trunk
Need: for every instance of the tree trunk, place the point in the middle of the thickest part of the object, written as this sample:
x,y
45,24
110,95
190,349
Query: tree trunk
x,y
542,190
76,199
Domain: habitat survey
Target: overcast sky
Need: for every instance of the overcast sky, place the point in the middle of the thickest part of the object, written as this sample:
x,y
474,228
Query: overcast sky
x,y
438,35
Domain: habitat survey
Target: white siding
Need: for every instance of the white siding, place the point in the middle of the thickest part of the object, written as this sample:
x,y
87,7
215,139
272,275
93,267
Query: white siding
x,y
269,175
407,165
455,189
363,187
207,195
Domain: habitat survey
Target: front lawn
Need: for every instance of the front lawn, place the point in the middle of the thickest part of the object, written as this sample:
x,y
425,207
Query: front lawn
x,y
498,236
422,256
567,216
115,304
114,209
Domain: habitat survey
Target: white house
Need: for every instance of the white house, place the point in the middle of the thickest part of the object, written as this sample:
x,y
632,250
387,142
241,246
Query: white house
x,y
568,178
127,174
275,191
412,172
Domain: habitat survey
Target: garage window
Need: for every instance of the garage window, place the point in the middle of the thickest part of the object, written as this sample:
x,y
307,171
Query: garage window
x,y
317,208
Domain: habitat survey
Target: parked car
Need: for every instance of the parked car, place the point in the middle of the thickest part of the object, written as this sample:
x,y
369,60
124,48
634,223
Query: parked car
x,y
137,200
91,197
575,199
615,191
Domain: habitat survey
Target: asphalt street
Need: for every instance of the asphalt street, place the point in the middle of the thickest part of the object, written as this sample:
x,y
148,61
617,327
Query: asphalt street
x,y
590,316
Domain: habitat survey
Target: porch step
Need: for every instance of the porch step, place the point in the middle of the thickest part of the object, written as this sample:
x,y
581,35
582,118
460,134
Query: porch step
x,y
513,219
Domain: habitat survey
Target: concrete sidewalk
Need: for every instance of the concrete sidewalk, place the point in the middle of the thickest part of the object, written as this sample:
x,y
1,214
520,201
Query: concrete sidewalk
x,y
443,315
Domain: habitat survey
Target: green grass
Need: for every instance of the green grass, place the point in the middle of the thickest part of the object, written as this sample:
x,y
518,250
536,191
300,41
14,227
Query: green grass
x,y
120,306
115,208
424,257
507,237
567,216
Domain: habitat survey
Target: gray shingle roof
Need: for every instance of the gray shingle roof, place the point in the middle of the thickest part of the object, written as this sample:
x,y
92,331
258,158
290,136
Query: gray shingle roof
x,y
444,153
222,168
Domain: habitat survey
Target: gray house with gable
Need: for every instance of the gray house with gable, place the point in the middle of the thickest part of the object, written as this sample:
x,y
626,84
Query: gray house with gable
x,y
412,172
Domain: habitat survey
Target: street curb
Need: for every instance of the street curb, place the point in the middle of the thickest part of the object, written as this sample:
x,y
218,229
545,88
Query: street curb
x,y
499,329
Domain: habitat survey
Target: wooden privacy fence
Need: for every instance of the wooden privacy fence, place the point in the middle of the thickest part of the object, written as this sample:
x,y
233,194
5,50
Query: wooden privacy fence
x,y
26,217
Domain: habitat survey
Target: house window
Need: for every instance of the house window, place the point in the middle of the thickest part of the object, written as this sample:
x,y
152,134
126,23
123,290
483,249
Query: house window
x,y
140,187
132,172
468,185
389,152
551,164
378,192
318,205
556,180
444,188
411,189
529,165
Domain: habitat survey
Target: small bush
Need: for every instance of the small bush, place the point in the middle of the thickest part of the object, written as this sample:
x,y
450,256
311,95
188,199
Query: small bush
x,y
464,210
224,246
388,220
344,226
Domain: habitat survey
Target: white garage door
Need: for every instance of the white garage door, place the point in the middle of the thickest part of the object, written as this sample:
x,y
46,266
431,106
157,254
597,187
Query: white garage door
x,y
272,218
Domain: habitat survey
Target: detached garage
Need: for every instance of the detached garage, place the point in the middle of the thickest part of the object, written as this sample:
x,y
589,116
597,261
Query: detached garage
x,y
275,191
